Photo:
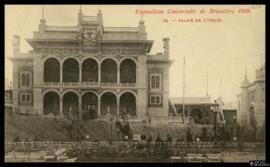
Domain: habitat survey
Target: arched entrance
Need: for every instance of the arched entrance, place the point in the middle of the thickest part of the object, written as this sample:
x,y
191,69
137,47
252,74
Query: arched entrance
x,y
128,71
127,104
89,106
70,70
108,104
109,71
51,70
89,70
71,104
51,103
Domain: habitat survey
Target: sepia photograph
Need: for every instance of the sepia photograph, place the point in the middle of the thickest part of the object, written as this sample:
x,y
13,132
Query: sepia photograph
x,y
135,83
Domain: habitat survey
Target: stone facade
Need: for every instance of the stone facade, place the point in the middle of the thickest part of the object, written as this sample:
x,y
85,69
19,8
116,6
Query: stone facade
x,y
86,67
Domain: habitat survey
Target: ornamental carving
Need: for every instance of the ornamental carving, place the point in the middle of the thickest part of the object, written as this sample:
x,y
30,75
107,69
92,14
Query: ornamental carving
x,y
89,35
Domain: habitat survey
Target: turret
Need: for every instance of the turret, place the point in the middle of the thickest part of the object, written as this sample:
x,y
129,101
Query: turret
x,y
260,74
80,16
42,25
166,46
99,17
16,45
245,82
141,27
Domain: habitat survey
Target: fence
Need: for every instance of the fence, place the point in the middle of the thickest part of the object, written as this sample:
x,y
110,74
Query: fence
x,y
125,144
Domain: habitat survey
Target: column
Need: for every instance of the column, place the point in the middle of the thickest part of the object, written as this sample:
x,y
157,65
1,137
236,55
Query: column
x,y
99,102
61,73
61,106
99,73
118,75
80,73
118,106
80,107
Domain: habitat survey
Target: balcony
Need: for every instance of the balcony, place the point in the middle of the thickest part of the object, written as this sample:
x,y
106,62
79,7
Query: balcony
x,y
108,84
89,84
70,83
53,84
92,83
127,84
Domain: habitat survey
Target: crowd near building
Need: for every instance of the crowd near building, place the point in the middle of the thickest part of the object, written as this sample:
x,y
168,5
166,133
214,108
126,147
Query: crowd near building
x,y
91,68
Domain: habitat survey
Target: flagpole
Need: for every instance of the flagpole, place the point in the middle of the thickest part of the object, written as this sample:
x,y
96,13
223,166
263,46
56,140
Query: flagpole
x,y
184,89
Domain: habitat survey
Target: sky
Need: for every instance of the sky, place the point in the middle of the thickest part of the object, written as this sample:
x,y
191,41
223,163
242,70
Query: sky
x,y
225,48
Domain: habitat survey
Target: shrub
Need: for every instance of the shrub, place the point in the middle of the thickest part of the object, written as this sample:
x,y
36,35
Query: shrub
x,y
17,139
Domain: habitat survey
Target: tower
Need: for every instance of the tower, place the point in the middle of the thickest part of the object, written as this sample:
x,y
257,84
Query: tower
x,y
244,101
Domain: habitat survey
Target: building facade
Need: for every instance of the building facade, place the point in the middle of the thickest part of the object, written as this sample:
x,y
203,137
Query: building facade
x,y
8,101
198,108
251,100
91,68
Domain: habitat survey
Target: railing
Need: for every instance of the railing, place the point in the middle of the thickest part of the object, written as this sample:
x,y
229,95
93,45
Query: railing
x,y
51,83
89,143
108,84
62,28
71,83
89,18
92,83
128,84
118,29
86,83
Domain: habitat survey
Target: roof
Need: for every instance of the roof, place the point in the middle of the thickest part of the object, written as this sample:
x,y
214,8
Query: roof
x,y
160,58
22,56
191,100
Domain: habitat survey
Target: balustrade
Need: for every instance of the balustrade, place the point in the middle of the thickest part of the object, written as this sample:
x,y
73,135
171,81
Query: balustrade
x,y
62,28
86,83
134,29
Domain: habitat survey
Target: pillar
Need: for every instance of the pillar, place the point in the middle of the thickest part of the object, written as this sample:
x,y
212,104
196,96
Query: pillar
x,y
80,73
118,106
99,102
99,73
118,75
80,107
61,73
61,106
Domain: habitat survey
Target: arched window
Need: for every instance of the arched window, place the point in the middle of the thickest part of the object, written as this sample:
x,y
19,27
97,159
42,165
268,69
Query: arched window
x,y
25,78
155,81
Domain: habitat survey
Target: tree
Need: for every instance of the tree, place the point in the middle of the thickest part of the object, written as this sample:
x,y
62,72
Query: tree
x,y
189,136
124,129
203,135
169,138
158,139
17,139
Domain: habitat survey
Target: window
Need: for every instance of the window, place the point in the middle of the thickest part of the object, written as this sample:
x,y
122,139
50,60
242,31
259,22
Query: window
x,y
25,98
155,81
155,100
25,79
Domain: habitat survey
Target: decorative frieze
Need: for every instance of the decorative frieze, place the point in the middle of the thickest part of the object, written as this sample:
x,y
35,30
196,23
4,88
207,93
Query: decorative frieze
x,y
121,52
58,50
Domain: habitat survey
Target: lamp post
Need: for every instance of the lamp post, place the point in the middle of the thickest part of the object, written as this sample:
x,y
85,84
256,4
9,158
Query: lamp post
x,y
109,117
215,109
